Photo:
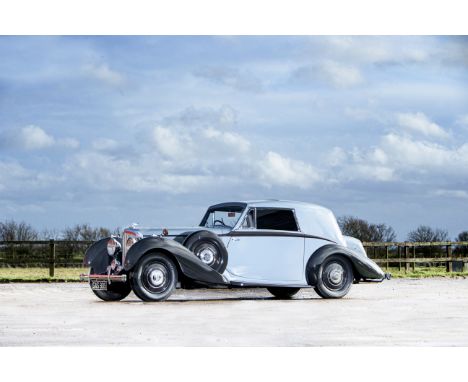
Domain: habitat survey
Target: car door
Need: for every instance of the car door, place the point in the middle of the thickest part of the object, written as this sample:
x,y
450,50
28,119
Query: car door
x,y
268,248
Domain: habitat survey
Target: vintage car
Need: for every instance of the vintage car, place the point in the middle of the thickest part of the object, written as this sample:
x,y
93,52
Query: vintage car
x,y
279,245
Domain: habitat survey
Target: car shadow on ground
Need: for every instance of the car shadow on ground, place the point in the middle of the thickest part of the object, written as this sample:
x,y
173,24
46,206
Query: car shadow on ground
x,y
222,299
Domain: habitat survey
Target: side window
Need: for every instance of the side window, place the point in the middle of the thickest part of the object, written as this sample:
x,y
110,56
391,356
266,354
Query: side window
x,y
269,218
249,221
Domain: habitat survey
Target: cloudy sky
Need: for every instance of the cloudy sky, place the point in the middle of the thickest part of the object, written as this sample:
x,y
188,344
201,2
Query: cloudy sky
x,y
115,130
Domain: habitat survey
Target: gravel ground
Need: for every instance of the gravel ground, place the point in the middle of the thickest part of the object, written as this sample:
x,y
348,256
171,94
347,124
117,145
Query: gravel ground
x,y
425,312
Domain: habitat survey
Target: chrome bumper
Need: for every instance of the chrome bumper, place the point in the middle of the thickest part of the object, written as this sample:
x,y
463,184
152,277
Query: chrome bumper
x,y
108,278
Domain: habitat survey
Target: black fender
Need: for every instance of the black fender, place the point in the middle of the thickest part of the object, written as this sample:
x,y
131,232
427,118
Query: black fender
x,y
363,266
189,264
96,256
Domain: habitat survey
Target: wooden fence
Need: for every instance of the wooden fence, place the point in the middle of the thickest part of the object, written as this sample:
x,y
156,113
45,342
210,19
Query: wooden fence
x,y
43,253
404,255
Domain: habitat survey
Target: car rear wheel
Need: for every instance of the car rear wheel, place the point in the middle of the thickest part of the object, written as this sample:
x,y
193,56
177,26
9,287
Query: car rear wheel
x,y
116,291
335,277
154,277
283,292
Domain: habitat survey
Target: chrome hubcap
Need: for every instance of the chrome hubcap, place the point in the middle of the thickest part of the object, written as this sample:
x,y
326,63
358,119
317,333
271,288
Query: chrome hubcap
x,y
335,274
156,277
207,255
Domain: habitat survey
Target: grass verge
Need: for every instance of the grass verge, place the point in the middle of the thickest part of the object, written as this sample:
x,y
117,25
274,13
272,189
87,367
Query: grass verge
x,y
8,275
40,275
424,273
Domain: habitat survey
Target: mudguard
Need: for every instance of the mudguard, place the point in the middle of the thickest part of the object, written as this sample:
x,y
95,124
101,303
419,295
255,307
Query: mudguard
x,y
364,266
189,264
96,256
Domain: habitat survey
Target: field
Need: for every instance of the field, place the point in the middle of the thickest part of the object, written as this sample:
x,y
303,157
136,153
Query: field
x,y
35,274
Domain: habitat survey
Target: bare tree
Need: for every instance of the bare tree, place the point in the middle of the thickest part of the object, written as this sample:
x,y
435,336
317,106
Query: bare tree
x,y
85,232
425,233
365,231
10,230
462,236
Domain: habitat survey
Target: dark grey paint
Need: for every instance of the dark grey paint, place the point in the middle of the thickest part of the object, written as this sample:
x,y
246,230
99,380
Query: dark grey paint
x,y
190,265
363,266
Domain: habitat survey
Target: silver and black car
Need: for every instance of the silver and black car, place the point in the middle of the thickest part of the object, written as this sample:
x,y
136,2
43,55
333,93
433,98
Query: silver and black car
x,y
279,245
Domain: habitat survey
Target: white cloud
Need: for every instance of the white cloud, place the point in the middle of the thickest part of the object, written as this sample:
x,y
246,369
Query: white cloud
x,y
104,73
70,143
275,169
33,138
420,123
105,144
334,73
462,194
378,50
232,77
14,177
341,75
234,141
170,144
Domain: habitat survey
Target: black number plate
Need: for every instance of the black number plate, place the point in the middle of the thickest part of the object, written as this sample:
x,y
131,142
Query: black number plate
x,y
99,284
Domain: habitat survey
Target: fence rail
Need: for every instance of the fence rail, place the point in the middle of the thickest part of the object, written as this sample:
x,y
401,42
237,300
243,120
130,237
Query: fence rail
x,y
453,253
53,254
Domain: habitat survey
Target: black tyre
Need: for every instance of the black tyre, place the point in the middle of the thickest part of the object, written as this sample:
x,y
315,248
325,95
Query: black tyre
x,y
116,291
283,292
335,277
154,277
209,248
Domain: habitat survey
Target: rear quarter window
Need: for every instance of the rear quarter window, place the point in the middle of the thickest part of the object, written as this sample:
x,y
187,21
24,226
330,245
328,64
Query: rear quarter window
x,y
269,218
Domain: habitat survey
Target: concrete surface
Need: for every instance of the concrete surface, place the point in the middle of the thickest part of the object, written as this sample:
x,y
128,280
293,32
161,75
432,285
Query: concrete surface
x,y
396,312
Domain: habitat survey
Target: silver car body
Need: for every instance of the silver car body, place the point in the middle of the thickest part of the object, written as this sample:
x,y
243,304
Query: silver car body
x,y
273,257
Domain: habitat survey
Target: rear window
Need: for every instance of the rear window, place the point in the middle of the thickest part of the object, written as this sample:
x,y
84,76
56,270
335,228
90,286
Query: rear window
x,y
283,220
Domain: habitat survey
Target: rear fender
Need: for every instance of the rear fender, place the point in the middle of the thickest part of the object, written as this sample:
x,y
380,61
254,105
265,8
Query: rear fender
x,y
190,265
362,266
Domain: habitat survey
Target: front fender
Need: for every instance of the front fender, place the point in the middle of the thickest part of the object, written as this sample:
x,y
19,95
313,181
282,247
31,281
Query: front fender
x,y
364,266
96,256
190,265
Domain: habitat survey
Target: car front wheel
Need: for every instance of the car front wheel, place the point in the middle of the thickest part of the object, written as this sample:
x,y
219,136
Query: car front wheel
x,y
282,292
154,277
116,291
334,278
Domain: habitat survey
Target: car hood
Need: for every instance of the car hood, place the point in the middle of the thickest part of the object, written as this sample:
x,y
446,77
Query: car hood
x,y
178,233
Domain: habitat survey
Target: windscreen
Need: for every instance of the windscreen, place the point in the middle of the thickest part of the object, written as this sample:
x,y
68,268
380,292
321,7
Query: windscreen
x,y
222,217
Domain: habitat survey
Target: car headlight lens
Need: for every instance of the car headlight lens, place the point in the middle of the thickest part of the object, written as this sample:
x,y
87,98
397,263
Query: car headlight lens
x,y
112,246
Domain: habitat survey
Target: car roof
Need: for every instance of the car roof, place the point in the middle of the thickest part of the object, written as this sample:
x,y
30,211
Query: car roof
x,y
271,203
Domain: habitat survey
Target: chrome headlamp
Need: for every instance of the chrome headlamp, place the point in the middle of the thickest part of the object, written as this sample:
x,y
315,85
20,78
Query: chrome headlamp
x,y
112,246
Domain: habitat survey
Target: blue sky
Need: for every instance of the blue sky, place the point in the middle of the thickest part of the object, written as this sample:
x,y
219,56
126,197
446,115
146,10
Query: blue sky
x,y
115,130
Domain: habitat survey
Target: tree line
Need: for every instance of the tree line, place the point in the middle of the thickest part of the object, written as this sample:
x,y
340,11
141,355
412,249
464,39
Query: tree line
x,y
11,230
370,232
350,225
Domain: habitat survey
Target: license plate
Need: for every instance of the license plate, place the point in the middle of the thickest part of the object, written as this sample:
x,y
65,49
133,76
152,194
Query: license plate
x,y
99,284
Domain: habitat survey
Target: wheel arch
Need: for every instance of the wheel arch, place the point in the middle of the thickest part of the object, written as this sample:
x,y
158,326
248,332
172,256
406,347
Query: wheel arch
x,y
187,263
362,266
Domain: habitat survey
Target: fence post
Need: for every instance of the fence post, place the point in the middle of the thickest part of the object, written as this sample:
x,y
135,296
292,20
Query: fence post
x,y
52,258
399,257
386,255
407,265
414,258
448,264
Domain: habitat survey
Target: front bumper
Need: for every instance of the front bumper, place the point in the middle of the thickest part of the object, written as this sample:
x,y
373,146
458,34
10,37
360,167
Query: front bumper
x,y
108,278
